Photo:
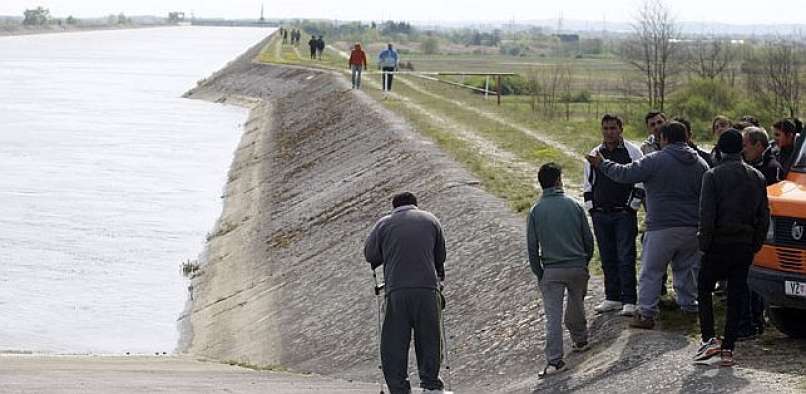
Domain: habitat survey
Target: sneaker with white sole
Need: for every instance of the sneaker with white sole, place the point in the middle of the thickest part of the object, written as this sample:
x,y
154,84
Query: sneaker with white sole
x,y
552,369
628,310
607,306
708,349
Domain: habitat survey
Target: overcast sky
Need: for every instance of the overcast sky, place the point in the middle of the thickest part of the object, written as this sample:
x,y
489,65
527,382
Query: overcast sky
x,y
725,11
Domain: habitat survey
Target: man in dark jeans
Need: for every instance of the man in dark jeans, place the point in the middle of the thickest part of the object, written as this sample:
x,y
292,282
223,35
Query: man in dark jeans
x,y
734,217
613,207
410,246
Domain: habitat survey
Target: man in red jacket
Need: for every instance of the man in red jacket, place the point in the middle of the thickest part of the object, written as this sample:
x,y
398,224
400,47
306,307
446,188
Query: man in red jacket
x,y
358,62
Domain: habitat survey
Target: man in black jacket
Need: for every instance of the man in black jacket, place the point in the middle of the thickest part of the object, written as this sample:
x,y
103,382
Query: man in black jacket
x,y
313,43
409,244
785,132
734,217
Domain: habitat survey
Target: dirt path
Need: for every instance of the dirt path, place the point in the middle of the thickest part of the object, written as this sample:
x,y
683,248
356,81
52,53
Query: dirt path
x,y
102,375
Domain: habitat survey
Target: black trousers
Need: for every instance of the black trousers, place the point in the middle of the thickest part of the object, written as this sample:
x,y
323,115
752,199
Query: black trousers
x,y
406,310
386,78
731,263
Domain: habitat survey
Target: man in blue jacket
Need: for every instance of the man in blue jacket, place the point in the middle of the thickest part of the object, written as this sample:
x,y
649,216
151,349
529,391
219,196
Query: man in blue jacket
x,y
388,61
672,179
560,245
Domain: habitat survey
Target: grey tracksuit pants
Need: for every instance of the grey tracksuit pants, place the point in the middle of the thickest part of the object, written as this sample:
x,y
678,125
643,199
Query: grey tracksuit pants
x,y
555,283
679,246
406,310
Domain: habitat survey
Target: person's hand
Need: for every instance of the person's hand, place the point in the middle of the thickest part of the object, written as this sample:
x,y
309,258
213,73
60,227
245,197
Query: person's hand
x,y
596,160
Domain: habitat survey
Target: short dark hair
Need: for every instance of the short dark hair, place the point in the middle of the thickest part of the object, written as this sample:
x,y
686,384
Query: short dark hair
x,y
405,198
750,119
549,174
720,119
741,125
798,124
785,125
653,113
613,118
674,132
682,120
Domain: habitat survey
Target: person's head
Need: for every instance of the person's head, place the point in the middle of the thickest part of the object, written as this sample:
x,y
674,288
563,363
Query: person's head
x,y
357,46
750,119
612,128
730,142
741,125
672,133
405,198
549,175
389,45
784,133
682,120
654,120
755,141
719,125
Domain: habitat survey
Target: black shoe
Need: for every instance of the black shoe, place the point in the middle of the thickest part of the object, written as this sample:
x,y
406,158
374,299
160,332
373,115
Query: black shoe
x,y
552,369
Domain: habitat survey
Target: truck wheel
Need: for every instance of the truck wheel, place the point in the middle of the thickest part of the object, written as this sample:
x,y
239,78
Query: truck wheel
x,y
789,321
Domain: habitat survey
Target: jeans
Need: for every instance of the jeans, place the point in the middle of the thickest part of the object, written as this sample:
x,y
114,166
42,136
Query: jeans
x,y
731,263
386,78
356,71
555,283
406,310
615,234
679,246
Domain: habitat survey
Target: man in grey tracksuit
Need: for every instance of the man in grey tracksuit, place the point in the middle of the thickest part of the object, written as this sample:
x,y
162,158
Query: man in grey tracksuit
x,y
560,245
672,179
410,246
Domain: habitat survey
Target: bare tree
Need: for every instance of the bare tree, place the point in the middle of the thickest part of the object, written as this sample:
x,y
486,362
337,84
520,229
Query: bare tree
x,y
709,58
774,74
650,50
548,87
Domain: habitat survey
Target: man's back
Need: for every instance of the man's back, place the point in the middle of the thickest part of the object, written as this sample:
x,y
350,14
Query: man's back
x,y
410,244
558,226
734,205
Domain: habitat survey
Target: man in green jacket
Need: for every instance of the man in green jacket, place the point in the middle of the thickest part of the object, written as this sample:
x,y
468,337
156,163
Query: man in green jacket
x,y
560,246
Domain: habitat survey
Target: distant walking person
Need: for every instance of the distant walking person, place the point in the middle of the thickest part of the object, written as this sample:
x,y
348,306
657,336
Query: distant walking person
x,y
672,179
285,36
357,63
320,47
560,246
613,208
313,44
409,244
734,217
388,62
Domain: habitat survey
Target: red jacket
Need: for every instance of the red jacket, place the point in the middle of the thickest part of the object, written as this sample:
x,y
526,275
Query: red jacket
x,y
358,57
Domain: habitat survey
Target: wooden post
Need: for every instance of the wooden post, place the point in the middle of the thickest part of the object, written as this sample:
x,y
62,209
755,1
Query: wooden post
x,y
498,88
486,87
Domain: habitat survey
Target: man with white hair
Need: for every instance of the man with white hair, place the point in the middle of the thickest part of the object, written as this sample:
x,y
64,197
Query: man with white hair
x,y
757,153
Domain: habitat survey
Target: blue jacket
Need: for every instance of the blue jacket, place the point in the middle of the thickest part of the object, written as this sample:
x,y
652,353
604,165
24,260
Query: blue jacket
x,y
388,58
672,178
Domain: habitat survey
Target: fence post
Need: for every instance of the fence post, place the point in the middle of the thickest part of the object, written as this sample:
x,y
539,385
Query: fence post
x,y
498,88
486,87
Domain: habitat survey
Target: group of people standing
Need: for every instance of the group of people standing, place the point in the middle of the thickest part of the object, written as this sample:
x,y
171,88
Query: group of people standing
x,y
707,215
317,46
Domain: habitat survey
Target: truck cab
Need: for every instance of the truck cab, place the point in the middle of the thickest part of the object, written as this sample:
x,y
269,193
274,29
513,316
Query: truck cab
x,y
778,273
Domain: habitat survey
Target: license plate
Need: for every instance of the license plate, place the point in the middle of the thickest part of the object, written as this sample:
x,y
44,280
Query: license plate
x,y
795,288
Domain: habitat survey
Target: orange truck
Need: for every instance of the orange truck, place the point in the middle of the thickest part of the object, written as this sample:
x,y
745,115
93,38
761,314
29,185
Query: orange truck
x,y
778,273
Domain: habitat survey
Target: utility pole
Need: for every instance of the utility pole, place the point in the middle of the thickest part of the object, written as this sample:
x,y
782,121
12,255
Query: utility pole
x,y
262,19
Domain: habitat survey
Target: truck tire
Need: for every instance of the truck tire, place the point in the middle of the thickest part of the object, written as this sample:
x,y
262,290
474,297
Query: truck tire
x,y
789,321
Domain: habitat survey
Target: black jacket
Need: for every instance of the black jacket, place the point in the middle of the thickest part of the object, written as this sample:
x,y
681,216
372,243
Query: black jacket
x,y
733,206
769,167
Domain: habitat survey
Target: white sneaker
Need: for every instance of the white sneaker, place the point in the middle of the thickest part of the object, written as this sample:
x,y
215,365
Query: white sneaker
x,y
607,306
628,310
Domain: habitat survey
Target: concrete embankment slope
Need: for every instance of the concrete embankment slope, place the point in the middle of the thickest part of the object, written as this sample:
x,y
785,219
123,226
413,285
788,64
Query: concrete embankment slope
x,y
285,282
